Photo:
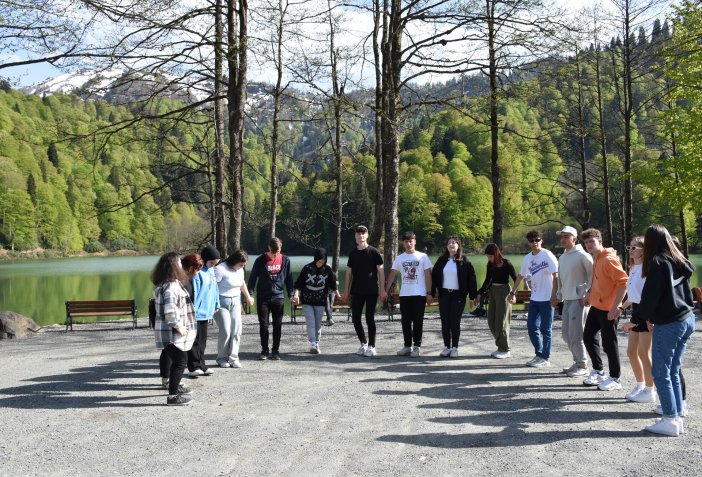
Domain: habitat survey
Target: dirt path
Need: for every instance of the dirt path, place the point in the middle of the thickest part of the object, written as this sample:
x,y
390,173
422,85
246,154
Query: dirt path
x,y
89,403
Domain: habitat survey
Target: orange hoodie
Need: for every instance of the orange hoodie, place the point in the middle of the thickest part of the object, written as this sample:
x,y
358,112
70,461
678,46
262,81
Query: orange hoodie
x,y
607,276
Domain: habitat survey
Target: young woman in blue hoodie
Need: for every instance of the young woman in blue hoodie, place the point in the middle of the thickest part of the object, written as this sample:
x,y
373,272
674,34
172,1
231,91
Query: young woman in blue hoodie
x,y
666,302
312,288
206,303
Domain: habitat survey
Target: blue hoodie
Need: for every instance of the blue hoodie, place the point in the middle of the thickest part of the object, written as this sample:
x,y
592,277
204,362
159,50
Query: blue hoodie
x,y
206,294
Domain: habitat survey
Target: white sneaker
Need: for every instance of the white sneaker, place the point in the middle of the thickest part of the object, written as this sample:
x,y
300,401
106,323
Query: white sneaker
x,y
635,390
195,373
610,384
578,372
208,372
531,361
416,351
595,378
404,351
235,363
454,353
445,352
541,363
370,352
314,349
645,395
667,426
362,349
681,425
225,364
501,354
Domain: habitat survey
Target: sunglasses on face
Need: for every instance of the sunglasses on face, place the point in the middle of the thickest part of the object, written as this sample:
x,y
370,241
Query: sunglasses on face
x,y
534,240
631,248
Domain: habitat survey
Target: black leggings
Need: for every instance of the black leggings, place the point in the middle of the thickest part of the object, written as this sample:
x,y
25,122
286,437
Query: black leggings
x,y
196,355
357,304
451,305
172,365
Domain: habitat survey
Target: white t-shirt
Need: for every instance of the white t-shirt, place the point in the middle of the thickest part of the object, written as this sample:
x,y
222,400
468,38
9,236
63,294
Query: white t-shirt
x,y
411,268
450,275
538,270
635,284
229,281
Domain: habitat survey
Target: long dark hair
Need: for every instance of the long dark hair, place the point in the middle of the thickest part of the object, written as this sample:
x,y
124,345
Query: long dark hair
x,y
657,241
459,253
168,268
237,257
494,250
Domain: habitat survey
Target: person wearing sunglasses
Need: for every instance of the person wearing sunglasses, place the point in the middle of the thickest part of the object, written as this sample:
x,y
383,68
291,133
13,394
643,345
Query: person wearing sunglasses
x,y
639,346
541,267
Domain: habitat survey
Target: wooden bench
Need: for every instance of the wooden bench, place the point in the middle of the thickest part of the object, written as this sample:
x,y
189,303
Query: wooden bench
x,y
97,308
522,297
338,305
394,302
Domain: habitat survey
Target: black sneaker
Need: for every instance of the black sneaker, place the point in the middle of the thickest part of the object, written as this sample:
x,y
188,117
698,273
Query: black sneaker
x,y
275,356
263,356
330,322
183,390
178,400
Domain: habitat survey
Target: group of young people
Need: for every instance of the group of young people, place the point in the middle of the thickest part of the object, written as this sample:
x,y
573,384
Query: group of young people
x,y
589,285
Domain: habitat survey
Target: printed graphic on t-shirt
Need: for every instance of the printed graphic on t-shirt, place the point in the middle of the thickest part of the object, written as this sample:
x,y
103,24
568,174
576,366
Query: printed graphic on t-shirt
x,y
316,282
274,266
536,267
409,272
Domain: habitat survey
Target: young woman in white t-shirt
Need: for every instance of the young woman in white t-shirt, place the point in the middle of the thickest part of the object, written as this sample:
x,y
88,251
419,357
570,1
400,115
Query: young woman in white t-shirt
x,y
639,347
231,284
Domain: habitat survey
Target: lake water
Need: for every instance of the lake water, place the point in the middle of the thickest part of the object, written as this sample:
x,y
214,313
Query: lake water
x,y
39,288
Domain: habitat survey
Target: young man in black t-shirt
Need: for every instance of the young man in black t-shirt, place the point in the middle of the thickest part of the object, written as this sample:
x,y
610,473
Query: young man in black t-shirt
x,y
363,275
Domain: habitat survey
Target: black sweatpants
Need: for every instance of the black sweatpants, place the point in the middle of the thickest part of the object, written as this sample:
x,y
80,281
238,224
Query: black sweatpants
x,y
595,323
274,308
196,355
412,312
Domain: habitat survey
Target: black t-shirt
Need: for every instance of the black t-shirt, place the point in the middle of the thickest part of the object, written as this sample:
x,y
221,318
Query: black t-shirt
x,y
364,269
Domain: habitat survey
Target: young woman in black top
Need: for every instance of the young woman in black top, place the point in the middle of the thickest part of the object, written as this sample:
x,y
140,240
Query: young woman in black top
x,y
453,279
496,284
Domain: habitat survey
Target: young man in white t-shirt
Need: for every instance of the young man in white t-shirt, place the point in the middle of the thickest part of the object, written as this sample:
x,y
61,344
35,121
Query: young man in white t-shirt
x,y
415,293
540,267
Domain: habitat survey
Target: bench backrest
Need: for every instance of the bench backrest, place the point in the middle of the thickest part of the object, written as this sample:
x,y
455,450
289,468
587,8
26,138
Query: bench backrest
x,y
522,296
100,307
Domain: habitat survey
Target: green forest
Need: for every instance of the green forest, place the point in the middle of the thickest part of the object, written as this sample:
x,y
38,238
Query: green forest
x,y
585,135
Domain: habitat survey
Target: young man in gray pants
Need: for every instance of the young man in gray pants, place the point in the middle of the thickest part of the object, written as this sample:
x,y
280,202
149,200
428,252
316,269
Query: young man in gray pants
x,y
574,278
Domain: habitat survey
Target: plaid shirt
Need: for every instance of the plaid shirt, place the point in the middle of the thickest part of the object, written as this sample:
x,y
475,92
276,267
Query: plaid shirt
x,y
173,308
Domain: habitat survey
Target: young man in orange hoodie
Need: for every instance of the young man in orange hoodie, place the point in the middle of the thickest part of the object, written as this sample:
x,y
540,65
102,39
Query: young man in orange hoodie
x,y
606,294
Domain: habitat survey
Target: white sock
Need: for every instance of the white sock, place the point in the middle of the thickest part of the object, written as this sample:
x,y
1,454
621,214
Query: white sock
x,y
640,385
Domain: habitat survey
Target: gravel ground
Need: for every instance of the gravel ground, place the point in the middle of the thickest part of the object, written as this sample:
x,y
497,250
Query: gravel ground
x,y
89,402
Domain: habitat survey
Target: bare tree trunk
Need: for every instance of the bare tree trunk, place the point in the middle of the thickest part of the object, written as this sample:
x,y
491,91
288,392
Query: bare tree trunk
x,y
218,211
338,214
498,214
237,44
603,151
392,64
376,232
587,213
628,110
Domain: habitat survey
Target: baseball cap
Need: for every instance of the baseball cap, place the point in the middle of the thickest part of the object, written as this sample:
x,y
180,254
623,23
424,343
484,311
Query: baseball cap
x,y
568,230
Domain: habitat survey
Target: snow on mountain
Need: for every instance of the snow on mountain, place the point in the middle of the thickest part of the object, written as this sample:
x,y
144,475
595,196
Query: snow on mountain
x,y
97,82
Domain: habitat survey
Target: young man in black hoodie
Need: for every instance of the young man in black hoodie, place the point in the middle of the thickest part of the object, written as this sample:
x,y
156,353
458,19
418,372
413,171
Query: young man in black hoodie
x,y
271,276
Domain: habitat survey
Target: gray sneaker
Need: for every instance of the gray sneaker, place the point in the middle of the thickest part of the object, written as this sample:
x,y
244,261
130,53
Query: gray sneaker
x,y
572,368
416,351
404,351
178,400
578,372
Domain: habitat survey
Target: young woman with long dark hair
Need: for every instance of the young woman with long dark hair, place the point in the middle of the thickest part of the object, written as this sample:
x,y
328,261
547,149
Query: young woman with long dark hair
x,y
453,279
496,284
174,326
666,302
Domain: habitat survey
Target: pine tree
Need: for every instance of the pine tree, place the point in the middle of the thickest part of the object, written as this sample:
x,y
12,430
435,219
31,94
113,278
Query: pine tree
x,y
52,154
32,189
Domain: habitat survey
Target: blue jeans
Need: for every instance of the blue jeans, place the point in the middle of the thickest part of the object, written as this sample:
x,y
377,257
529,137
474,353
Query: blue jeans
x,y
539,322
669,342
